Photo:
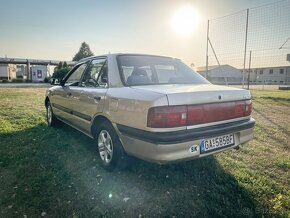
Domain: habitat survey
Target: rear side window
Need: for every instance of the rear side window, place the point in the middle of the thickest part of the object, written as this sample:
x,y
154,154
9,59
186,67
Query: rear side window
x,y
148,70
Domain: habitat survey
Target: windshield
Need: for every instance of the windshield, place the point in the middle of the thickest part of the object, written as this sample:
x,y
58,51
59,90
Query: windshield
x,y
151,70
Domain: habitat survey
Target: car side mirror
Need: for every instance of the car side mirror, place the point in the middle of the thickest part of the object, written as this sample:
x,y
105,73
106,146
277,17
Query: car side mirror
x,y
105,80
54,81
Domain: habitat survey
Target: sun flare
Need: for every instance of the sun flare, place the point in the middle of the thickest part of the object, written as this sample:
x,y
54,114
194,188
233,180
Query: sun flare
x,y
185,20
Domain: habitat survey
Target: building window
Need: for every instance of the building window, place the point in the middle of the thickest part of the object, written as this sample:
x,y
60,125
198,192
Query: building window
x,y
281,71
271,71
261,72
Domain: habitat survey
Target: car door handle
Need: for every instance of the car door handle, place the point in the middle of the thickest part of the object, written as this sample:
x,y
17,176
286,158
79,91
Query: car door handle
x,y
97,98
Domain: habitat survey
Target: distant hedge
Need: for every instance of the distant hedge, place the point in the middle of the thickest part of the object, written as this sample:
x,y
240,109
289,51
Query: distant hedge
x,y
17,80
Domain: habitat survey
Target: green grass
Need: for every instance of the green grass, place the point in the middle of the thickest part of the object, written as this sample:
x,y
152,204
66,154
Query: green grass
x,y
57,172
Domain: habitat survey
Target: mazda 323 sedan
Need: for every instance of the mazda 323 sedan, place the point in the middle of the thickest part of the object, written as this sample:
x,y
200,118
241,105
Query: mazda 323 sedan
x,y
151,107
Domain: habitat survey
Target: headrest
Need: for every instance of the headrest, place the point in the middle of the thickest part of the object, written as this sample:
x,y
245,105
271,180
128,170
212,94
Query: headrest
x,y
139,72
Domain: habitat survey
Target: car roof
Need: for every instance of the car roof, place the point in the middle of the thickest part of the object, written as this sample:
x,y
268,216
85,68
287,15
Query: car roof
x,y
117,54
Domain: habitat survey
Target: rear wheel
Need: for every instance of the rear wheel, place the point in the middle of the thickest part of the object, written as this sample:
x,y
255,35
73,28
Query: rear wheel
x,y
110,149
50,117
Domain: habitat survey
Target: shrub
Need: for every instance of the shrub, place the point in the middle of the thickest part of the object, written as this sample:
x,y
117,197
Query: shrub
x,y
28,80
46,80
17,80
5,81
60,73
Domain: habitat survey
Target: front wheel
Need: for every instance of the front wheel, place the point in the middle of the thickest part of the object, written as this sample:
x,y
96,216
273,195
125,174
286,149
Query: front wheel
x,y
50,117
110,148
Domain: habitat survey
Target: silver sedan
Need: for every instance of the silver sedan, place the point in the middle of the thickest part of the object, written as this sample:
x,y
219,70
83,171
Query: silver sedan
x,y
152,107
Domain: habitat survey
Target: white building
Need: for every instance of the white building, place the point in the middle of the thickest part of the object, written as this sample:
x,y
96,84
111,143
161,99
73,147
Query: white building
x,y
223,74
39,72
21,71
270,75
7,71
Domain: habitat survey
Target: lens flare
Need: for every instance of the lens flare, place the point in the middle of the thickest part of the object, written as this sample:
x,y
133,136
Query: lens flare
x,y
185,20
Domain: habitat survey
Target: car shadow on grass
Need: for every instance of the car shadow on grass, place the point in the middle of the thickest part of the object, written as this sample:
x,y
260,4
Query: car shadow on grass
x,y
57,171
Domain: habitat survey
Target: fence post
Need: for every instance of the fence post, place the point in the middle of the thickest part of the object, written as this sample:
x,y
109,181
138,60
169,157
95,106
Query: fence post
x,y
245,52
207,38
249,69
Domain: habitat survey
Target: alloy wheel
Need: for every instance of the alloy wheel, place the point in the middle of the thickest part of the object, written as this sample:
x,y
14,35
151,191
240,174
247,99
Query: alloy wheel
x,y
105,145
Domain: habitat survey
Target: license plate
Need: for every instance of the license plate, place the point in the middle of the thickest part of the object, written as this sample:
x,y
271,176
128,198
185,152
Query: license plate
x,y
216,143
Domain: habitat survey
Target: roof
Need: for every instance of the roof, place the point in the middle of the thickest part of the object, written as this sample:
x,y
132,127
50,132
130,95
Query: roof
x,y
115,54
203,68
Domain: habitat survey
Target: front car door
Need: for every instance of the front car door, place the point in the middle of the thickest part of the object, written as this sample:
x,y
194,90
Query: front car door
x,y
94,86
67,96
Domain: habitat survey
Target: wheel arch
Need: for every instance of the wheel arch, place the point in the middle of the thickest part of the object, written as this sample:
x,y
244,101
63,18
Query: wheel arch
x,y
96,121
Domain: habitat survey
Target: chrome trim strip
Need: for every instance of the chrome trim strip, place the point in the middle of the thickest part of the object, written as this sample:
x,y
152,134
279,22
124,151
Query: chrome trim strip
x,y
217,123
72,112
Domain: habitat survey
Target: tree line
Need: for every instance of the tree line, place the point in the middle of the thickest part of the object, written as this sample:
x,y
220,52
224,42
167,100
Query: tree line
x,y
62,68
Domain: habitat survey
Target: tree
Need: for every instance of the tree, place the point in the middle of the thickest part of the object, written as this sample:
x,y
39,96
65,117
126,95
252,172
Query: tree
x,y
60,73
59,66
83,52
60,70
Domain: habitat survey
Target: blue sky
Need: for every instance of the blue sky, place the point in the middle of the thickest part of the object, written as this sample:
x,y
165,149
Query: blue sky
x,y
51,29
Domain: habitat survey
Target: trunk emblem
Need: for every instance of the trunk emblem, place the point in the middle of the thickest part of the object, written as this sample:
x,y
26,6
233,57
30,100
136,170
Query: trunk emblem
x,y
220,97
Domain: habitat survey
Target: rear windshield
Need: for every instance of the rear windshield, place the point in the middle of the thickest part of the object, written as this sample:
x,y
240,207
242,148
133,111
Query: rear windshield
x,y
151,70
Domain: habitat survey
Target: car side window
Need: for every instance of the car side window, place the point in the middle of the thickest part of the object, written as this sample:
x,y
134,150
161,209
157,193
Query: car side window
x,y
92,74
103,77
75,77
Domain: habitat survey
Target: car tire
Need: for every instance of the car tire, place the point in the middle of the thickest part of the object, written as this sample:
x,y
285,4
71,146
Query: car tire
x,y
109,147
51,119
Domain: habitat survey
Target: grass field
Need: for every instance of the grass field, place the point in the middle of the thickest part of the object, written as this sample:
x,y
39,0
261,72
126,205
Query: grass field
x,y
55,172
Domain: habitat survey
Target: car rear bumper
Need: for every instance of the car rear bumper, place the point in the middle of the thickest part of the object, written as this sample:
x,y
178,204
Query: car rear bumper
x,y
166,147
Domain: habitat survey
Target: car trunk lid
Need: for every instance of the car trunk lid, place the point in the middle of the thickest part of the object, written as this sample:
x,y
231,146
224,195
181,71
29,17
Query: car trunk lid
x,y
185,94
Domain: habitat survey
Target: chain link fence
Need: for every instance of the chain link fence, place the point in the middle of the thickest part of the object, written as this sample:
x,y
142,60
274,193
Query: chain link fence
x,y
250,46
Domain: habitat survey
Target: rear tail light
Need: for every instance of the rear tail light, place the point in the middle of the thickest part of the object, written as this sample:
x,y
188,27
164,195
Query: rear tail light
x,y
195,114
239,109
248,108
165,117
175,116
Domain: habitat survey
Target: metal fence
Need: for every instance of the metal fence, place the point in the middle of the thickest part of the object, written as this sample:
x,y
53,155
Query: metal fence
x,y
255,41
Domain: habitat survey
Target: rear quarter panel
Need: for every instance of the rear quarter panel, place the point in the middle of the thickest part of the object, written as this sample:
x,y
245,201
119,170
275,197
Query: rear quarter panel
x,y
129,107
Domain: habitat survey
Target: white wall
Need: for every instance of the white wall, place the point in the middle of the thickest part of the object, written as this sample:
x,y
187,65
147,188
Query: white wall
x,y
8,71
275,77
225,71
38,73
3,71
